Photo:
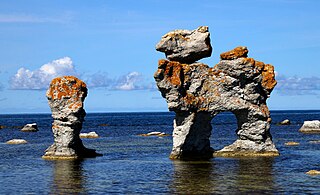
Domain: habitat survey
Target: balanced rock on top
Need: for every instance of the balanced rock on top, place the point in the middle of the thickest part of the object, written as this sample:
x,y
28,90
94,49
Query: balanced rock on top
x,y
186,46
65,96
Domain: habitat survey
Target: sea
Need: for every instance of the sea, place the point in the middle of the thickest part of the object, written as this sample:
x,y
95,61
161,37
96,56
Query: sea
x,y
133,164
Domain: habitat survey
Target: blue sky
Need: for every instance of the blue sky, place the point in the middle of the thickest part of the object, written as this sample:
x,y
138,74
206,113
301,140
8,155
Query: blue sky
x,y
111,46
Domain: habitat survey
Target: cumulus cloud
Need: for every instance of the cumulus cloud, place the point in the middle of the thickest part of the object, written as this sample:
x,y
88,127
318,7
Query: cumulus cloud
x,y
40,78
128,82
298,85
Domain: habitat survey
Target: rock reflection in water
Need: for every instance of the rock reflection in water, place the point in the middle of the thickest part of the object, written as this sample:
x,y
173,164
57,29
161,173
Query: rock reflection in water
x,y
229,175
68,177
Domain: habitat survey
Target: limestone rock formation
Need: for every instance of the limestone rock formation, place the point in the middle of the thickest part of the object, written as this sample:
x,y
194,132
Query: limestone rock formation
x,y
65,96
185,45
32,127
310,127
197,93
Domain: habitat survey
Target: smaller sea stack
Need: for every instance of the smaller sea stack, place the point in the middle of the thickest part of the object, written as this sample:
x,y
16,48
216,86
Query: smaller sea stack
x,y
65,96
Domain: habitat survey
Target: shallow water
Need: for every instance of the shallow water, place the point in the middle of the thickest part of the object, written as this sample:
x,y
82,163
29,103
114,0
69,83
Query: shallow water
x,y
132,164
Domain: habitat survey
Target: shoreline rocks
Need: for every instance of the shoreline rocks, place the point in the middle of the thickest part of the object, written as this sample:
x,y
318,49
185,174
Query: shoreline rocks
x,y
197,93
17,141
32,127
65,97
310,127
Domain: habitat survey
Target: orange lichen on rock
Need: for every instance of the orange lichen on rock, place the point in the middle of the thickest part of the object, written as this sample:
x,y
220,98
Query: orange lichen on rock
x,y
268,77
238,52
172,71
67,87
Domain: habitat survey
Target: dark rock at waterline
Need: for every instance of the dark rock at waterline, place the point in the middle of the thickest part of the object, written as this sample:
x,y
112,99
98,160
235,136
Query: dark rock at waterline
x,y
284,122
32,127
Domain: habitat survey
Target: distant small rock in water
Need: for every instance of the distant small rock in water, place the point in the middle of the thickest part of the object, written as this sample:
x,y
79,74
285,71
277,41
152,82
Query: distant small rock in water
x,y
310,127
314,142
2,126
292,143
32,127
155,133
17,141
91,134
313,172
104,125
284,122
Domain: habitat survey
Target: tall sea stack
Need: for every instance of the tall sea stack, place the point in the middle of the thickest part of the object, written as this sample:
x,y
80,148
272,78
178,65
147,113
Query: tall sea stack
x,y
65,96
197,93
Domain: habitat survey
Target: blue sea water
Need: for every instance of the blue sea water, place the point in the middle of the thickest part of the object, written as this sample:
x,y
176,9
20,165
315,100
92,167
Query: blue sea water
x,y
132,164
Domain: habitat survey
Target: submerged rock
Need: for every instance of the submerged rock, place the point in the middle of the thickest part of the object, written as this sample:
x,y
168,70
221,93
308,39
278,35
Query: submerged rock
x,y
155,133
17,141
186,46
197,93
314,142
91,134
65,96
313,172
292,143
32,127
310,127
284,122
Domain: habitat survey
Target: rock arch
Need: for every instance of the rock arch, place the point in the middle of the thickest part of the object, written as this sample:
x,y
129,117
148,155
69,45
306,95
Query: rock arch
x,y
197,93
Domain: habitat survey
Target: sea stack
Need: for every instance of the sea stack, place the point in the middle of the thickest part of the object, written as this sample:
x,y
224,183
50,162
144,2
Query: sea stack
x,y
65,96
197,93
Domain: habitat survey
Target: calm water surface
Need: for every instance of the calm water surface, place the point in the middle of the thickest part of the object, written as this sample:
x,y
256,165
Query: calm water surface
x,y
139,165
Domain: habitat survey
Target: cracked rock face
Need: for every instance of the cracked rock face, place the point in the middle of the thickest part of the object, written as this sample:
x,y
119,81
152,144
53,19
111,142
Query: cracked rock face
x,y
197,93
65,96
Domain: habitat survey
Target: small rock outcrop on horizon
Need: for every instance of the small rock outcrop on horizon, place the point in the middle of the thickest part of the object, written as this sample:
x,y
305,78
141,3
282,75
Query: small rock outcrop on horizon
x,y
65,96
197,93
32,127
310,127
284,122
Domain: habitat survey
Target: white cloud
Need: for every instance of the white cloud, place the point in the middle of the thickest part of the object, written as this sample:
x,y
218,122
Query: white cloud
x,y
41,78
298,85
129,81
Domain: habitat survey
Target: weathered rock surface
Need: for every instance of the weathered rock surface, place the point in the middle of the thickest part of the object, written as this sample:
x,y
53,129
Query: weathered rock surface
x,y
91,134
284,122
186,46
32,127
310,127
197,93
65,96
17,141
